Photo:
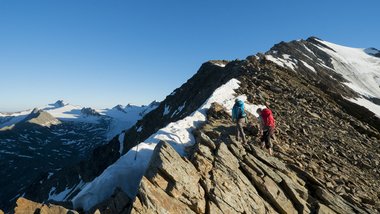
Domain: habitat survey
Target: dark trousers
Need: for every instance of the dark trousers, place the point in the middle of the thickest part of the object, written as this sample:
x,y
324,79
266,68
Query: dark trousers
x,y
267,135
239,129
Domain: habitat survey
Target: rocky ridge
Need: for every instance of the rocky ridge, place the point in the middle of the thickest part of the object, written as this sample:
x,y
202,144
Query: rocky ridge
x,y
221,175
326,161
42,118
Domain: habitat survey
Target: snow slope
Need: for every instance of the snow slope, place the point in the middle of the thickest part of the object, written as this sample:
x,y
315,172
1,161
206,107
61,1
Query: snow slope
x,y
359,68
71,113
127,172
368,104
125,118
10,119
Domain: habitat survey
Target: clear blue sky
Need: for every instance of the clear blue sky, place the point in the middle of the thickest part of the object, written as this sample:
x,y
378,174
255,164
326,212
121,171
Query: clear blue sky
x,y
102,53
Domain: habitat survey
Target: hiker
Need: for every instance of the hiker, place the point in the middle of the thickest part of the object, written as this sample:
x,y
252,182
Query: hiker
x,y
239,116
267,127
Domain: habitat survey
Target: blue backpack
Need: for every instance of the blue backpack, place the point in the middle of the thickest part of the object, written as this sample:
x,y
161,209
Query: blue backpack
x,y
239,110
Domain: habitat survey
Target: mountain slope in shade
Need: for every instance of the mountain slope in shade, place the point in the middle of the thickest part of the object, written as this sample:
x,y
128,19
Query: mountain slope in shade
x,y
326,158
43,141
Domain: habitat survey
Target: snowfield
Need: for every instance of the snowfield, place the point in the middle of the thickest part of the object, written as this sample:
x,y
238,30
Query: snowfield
x,y
127,172
361,70
120,118
286,61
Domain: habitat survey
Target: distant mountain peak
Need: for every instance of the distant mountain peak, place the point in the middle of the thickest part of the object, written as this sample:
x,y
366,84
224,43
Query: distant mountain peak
x,y
42,118
129,105
119,108
313,38
372,51
59,103
35,111
89,112
154,103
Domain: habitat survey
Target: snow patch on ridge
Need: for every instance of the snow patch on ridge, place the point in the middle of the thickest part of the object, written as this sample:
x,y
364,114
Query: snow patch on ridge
x,y
166,110
58,196
127,172
285,62
220,64
121,141
310,51
368,104
179,110
309,66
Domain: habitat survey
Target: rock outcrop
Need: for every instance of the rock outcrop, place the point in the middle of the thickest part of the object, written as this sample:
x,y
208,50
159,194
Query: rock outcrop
x,y
25,206
42,118
89,112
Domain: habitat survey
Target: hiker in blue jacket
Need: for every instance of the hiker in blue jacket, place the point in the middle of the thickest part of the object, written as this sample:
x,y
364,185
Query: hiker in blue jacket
x,y
238,116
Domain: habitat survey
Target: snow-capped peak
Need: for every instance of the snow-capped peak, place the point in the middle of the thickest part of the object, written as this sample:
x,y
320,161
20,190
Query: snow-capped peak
x,y
59,103
119,107
372,51
89,112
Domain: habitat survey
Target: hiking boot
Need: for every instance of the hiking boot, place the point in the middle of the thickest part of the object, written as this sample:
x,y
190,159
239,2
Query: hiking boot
x,y
262,145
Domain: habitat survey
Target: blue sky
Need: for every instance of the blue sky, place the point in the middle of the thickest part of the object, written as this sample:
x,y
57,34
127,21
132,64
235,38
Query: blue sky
x,y
102,53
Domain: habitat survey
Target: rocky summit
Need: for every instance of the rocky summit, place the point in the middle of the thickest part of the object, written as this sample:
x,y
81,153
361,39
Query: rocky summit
x,y
326,147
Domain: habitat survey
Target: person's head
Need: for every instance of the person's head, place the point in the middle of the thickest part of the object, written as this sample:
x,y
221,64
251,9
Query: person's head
x,y
258,111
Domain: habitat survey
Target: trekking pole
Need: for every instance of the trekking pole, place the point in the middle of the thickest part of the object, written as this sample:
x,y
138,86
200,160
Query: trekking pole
x,y
137,150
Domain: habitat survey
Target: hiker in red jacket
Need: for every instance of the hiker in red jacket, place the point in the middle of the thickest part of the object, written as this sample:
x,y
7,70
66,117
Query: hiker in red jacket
x,y
267,126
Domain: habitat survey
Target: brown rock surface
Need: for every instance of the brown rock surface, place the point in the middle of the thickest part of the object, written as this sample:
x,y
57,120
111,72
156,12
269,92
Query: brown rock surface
x,y
25,206
119,202
221,175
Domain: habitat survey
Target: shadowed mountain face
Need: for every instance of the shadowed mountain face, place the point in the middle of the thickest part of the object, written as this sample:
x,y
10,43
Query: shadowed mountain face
x,y
326,153
37,144
40,146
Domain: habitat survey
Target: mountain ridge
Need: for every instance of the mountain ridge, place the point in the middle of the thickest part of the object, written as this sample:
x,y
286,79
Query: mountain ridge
x,y
270,76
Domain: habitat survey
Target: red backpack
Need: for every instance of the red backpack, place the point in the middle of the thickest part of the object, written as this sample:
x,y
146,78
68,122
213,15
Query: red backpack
x,y
267,116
